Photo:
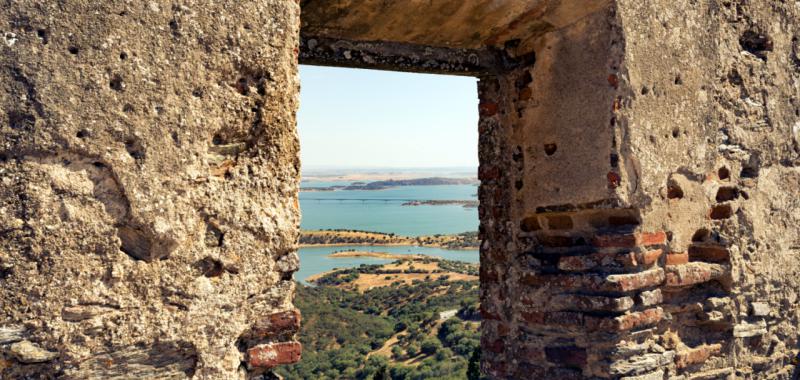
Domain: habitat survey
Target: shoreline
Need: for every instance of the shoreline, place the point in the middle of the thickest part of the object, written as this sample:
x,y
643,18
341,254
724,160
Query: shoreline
x,y
439,246
378,255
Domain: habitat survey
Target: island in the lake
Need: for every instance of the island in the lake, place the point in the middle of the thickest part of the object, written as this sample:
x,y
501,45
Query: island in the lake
x,y
341,237
445,202
377,255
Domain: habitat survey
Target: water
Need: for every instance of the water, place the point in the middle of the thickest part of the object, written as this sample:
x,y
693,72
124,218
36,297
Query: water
x,y
382,211
315,260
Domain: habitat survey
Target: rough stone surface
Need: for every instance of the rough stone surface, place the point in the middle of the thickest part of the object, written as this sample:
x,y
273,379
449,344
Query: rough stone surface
x,y
148,183
638,165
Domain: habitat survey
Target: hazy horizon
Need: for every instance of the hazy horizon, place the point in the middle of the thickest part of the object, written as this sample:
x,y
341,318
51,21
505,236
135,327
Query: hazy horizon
x,y
352,119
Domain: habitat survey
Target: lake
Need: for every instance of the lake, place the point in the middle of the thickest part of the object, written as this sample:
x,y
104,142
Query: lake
x,y
382,211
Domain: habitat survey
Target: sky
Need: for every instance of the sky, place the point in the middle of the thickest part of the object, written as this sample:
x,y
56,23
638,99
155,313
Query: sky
x,y
381,119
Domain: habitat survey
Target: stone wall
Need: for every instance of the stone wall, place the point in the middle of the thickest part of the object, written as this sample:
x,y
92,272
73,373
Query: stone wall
x,y
148,188
638,199
639,168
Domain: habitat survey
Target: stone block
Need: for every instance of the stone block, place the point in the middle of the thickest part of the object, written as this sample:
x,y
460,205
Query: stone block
x,y
697,355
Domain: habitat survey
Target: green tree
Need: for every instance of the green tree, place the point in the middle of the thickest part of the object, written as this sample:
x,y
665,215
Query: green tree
x,y
474,366
430,346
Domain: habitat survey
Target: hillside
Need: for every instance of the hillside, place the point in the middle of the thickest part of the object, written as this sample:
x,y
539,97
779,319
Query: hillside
x,y
423,329
387,184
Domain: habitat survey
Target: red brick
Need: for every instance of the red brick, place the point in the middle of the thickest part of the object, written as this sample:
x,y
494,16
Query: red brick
x,y
274,354
635,281
614,180
277,323
487,173
712,253
693,273
629,240
633,320
613,80
607,261
677,258
488,314
652,238
487,108
525,94
721,211
649,258
589,303
488,275
697,355
595,282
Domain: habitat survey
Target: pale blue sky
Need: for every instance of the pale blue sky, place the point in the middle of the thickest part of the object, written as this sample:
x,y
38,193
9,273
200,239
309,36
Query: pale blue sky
x,y
368,118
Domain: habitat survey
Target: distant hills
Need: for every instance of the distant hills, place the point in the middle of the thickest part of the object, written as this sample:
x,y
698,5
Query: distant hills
x,y
386,184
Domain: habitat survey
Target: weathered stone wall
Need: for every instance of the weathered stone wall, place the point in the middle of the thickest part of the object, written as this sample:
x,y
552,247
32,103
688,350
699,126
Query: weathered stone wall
x,y
639,197
148,188
639,167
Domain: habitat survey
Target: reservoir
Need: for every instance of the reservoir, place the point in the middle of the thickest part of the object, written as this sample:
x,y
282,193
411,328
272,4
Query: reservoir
x,y
383,211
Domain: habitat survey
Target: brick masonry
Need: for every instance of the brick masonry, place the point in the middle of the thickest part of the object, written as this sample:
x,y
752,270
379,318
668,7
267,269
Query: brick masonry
x,y
638,165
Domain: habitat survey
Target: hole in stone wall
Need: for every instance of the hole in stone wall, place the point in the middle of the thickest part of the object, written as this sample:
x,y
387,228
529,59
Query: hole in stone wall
x,y
82,134
701,235
116,83
721,211
242,87
134,243
214,237
756,43
550,149
210,267
123,56
725,194
674,191
749,172
43,35
723,173
135,149
73,50
530,224
21,120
